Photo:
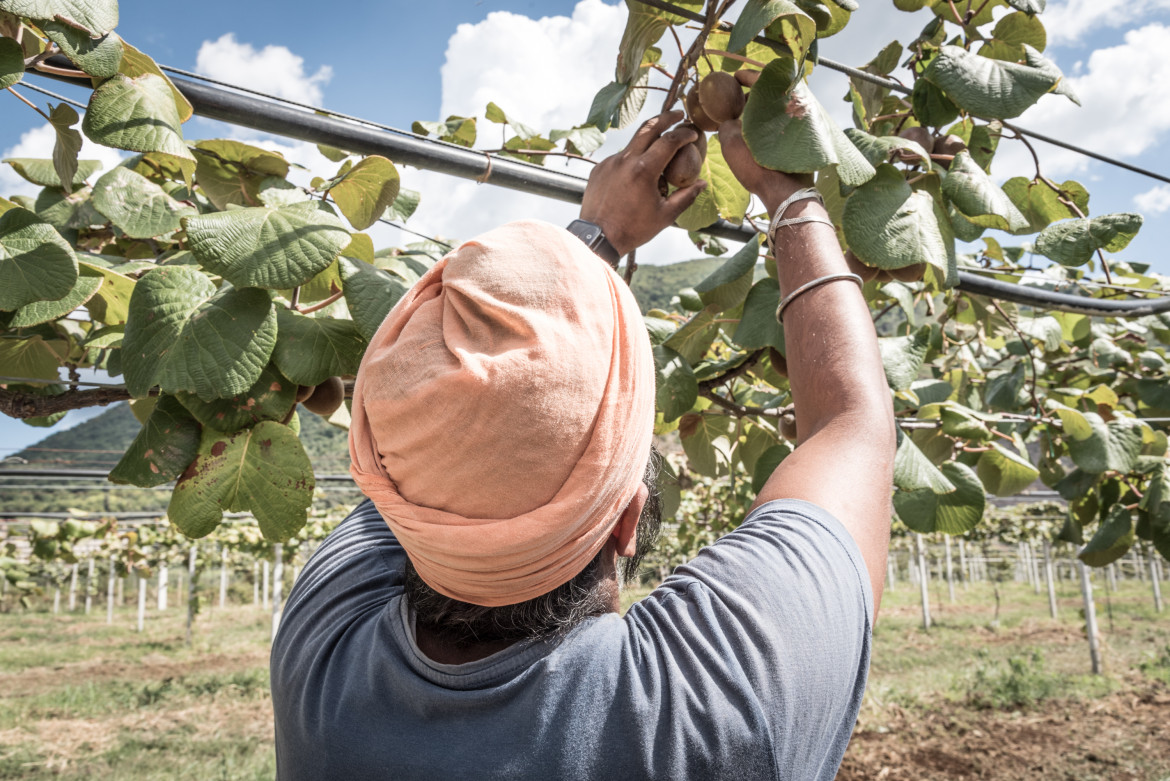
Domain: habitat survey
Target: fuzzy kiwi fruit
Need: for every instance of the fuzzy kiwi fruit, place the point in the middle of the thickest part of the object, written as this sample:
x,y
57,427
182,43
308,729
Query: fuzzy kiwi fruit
x,y
747,77
326,397
778,361
909,273
920,136
698,116
949,145
721,96
788,426
304,392
684,168
866,273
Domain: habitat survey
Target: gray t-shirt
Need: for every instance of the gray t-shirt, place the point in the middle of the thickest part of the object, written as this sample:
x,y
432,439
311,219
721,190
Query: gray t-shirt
x,y
748,662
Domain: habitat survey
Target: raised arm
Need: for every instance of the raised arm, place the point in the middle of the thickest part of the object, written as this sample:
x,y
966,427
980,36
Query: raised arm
x,y
844,416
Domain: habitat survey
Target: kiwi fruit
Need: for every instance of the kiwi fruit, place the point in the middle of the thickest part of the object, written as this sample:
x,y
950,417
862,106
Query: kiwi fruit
x,y
304,392
920,136
778,361
866,273
326,397
721,96
701,141
684,168
949,145
698,116
747,77
788,426
909,273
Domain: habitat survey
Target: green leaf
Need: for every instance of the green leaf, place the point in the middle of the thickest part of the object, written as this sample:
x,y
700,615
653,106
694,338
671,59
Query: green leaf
x,y
494,113
404,205
232,172
957,512
272,397
879,149
758,327
136,205
36,264
758,15
99,57
1114,537
1005,473
1027,6
890,225
313,349
973,193
617,104
135,63
644,26
902,357
165,445
695,336
1073,242
33,358
790,130
67,145
96,17
263,470
1019,28
367,191
453,130
265,247
766,464
47,311
111,303
727,286
724,197
932,108
677,389
44,172
370,294
1114,446
993,89
581,140
184,335
11,63
1041,205
138,114
1156,499
913,471
707,441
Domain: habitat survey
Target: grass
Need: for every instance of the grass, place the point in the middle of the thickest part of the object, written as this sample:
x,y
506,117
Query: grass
x,y
83,699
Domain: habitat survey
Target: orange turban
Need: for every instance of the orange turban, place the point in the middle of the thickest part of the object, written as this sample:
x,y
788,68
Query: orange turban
x,y
503,414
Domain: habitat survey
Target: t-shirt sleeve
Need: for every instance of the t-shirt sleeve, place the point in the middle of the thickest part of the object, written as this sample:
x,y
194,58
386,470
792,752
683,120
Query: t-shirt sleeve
x,y
777,611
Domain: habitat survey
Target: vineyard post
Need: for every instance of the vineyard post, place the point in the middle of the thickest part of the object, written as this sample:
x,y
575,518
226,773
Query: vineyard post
x,y
73,588
1034,565
56,598
1090,618
121,591
190,591
1111,576
89,586
923,577
1049,578
277,582
255,584
264,590
950,568
223,575
1136,555
162,585
1155,581
111,588
890,577
141,603
963,573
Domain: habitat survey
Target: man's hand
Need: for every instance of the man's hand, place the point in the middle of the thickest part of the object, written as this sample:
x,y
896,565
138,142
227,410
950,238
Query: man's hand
x,y
772,187
623,196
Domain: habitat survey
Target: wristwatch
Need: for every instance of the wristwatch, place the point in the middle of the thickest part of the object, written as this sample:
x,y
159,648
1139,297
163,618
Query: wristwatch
x,y
594,239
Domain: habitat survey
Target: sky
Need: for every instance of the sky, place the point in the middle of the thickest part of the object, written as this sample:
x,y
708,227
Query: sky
x,y
397,62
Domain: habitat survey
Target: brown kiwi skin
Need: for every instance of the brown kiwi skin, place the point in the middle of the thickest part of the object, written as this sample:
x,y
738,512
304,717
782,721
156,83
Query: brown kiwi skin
x,y
948,145
909,273
747,77
721,96
304,392
866,273
701,141
921,136
788,426
778,361
326,397
697,115
684,168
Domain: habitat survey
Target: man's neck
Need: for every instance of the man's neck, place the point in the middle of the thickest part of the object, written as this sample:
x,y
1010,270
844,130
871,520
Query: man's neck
x,y
438,650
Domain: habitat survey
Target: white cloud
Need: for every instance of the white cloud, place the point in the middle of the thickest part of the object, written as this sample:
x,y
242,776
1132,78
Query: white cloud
x,y
1124,111
1155,201
1068,22
273,69
38,143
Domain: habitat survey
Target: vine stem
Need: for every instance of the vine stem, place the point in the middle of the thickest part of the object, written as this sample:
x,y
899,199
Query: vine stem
x,y
691,57
731,374
631,266
28,103
72,73
321,304
740,410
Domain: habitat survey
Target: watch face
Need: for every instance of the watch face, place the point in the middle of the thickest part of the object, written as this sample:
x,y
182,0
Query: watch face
x,y
586,231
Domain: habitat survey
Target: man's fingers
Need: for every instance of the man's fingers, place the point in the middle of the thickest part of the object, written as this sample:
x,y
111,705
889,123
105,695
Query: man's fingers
x,y
651,129
662,150
680,200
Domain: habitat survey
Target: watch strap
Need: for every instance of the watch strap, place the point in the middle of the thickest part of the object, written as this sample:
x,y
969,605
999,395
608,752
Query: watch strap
x,y
594,238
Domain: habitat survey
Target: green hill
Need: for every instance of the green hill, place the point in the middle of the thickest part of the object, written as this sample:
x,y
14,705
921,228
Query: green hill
x,y
654,286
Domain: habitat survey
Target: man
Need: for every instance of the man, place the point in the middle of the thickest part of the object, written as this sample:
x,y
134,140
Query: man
x,y
464,623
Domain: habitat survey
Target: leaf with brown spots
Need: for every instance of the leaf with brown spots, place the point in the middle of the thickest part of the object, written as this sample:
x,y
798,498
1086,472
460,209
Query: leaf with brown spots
x,y
165,446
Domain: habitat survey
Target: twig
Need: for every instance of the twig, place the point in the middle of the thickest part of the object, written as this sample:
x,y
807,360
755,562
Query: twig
x,y
731,374
295,299
36,59
321,304
741,410
692,55
28,103
22,405
72,73
631,266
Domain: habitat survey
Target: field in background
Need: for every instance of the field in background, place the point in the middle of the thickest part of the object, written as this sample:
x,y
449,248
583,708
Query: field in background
x,y
969,699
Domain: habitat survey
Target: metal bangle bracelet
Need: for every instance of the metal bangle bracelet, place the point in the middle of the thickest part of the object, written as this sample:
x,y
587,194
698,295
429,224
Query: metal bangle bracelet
x,y
807,286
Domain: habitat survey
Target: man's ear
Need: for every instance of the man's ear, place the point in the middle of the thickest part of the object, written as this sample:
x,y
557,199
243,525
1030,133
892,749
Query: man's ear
x,y
625,532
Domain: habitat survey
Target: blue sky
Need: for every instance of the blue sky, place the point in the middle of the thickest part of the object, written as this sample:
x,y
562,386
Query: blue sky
x,y
398,62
